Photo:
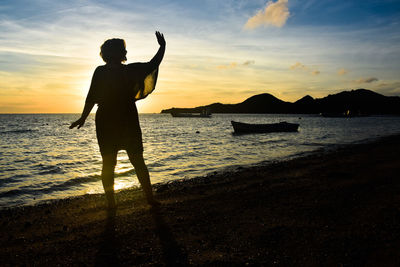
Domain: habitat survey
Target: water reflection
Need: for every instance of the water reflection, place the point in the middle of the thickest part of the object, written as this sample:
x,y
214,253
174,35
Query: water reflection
x,y
38,154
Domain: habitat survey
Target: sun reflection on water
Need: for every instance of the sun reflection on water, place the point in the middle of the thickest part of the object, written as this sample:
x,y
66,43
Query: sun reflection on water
x,y
125,183
44,160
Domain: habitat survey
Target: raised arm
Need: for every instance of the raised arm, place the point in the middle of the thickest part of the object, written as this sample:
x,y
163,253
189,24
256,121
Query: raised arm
x,y
156,60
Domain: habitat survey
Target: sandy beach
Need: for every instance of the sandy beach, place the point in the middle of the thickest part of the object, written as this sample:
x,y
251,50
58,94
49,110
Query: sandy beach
x,y
338,208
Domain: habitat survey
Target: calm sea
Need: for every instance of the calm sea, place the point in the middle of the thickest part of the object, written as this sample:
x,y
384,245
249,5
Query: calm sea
x,y
41,159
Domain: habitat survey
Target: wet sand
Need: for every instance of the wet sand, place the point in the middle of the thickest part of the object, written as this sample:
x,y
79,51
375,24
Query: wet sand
x,y
340,208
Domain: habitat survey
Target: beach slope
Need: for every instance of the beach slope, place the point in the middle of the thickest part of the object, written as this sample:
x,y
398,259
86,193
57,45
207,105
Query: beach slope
x,y
327,209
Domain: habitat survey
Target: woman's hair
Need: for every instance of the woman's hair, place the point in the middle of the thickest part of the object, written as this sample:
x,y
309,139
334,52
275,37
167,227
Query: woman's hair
x,y
113,50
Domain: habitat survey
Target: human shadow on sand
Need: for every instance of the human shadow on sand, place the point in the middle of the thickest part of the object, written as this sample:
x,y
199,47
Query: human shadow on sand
x,y
109,246
107,254
173,253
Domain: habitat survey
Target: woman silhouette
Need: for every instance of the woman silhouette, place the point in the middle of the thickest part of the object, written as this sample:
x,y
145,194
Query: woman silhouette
x,y
115,87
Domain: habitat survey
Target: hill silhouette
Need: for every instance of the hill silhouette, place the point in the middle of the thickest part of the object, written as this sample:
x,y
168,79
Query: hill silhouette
x,y
360,101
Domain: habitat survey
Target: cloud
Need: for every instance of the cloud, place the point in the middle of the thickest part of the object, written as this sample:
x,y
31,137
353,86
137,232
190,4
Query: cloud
x,y
342,72
315,72
302,67
233,65
275,14
298,65
248,62
366,80
390,88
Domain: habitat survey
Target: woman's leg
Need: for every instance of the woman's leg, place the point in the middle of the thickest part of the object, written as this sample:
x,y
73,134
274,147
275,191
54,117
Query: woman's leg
x,y
107,177
143,175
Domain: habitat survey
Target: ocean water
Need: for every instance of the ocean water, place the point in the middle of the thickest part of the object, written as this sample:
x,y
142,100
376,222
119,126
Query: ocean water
x,y
42,159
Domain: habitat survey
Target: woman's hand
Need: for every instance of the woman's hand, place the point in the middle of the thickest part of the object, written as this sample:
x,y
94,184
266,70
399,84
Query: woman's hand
x,y
80,122
160,38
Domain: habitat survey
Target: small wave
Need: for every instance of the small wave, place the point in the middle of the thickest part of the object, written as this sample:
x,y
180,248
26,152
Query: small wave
x,y
49,188
71,163
155,164
270,142
121,174
52,171
11,193
312,144
228,158
87,179
173,157
76,181
13,179
48,169
326,136
17,131
9,169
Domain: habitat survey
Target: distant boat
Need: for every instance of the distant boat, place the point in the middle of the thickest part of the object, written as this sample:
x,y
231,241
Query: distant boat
x,y
347,114
240,127
203,114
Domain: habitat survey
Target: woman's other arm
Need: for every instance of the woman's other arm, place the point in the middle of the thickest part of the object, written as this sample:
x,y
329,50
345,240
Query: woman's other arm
x,y
156,60
90,100
85,113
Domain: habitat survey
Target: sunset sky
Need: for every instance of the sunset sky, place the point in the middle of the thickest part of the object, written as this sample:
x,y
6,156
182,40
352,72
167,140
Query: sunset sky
x,y
217,51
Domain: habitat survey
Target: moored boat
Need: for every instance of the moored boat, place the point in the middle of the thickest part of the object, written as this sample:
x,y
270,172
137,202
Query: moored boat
x,y
203,114
240,127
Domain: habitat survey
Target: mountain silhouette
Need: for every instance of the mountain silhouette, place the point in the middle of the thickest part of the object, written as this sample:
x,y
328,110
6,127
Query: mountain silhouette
x,y
360,101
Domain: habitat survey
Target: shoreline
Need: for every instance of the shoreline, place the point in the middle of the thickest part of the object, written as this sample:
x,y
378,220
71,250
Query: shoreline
x,y
218,172
326,208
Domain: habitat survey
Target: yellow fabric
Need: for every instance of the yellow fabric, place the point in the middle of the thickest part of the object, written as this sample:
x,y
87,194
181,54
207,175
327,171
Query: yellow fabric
x,y
148,85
